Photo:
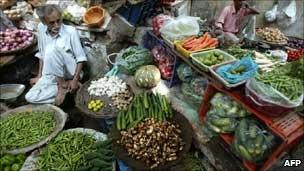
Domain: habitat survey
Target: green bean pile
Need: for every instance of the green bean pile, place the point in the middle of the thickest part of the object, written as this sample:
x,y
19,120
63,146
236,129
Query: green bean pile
x,y
24,129
66,152
289,86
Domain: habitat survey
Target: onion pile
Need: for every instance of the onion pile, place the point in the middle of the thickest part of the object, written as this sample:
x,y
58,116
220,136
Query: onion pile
x,y
14,39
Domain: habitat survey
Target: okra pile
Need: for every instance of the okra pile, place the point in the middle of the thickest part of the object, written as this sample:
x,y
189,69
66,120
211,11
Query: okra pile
x,y
25,128
66,152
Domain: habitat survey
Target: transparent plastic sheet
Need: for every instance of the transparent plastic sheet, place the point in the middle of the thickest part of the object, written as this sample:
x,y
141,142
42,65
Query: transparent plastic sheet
x,y
190,94
130,59
184,72
252,141
199,84
268,96
224,115
182,26
250,70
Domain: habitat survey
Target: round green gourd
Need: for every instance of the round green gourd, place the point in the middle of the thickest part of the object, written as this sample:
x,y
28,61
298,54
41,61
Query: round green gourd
x,y
147,76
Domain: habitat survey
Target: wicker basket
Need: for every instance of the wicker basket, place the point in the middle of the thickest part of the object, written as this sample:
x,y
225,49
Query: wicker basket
x,y
83,98
21,50
122,154
59,116
94,16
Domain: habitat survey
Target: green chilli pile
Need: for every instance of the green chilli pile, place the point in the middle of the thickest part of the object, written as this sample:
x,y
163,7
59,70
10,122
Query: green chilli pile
x,y
66,152
25,128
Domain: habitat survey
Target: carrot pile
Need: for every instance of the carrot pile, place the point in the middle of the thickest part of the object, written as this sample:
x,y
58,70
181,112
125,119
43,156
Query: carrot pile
x,y
193,44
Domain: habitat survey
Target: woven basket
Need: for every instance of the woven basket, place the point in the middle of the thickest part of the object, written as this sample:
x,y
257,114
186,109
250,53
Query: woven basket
x,y
31,161
59,116
94,16
122,154
83,98
21,50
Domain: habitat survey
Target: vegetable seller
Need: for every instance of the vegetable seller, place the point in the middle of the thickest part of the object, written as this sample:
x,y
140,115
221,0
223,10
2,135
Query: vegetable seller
x,y
61,59
235,21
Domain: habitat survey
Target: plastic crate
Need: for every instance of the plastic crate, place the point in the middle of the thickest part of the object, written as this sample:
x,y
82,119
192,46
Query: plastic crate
x,y
222,80
290,128
149,41
195,56
187,53
137,13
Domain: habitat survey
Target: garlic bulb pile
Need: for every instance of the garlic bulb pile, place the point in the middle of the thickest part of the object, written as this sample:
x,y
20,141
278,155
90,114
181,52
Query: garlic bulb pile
x,y
18,11
108,86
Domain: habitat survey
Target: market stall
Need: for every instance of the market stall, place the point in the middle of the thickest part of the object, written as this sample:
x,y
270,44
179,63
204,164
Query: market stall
x,y
180,99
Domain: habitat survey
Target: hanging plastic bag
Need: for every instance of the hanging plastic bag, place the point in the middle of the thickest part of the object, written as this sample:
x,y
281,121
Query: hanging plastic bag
x,y
247,65
182,26
287,16
184,73
252,142
271,15
282,55
130,59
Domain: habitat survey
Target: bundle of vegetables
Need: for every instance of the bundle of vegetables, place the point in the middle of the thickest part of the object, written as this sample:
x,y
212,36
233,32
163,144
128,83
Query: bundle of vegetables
x,y
296,43
204,42
224,114
251,141
238,52
153,142
212,58
130,59
66,152
272,35
193,161
14,39
289,86
100,159
9,162
294,55
265,63
145,105
24,129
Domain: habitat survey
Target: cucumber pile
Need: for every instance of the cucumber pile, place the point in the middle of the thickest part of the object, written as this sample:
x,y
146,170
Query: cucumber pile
x,y
251,142
224,114
145,105
101,159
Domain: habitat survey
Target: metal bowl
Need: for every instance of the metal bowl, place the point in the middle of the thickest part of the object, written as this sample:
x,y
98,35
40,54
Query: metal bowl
x,y
10,92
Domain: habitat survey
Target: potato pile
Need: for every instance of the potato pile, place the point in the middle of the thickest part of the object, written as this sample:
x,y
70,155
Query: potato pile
x,y
273,35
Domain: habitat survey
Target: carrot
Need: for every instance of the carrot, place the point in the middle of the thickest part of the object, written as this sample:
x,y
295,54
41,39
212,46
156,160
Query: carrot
x,y
211,42
205,36
214,44
188,39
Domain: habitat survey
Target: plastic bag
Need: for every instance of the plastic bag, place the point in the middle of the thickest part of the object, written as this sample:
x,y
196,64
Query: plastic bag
x,y
182,26
251,141
199,84
184,73
224,114
282,55
268,96
270,15
250,70
158,22
164,62
130,59
287,16
190,94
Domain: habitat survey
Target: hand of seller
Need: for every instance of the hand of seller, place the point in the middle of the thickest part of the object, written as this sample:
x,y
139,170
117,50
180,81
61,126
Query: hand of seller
x,y
73,85
33,81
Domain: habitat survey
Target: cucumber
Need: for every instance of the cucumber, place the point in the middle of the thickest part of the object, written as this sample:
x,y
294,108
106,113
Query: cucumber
x,y
226,129
83,168
259,141
92,155
118,121
221,122
159,98
102,144
123,121
146,100
250,147
129,114
105,151
253,131
243,128
213,127
99,163
244,153
95,169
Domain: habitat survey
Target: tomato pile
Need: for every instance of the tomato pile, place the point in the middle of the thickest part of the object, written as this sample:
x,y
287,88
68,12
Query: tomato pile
x,y
294,55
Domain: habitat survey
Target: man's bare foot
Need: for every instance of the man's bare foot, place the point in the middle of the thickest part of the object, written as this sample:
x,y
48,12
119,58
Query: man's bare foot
x,y
60,96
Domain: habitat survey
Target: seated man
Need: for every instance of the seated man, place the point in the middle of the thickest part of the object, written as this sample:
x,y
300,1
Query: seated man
x,y
236,20
61,59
